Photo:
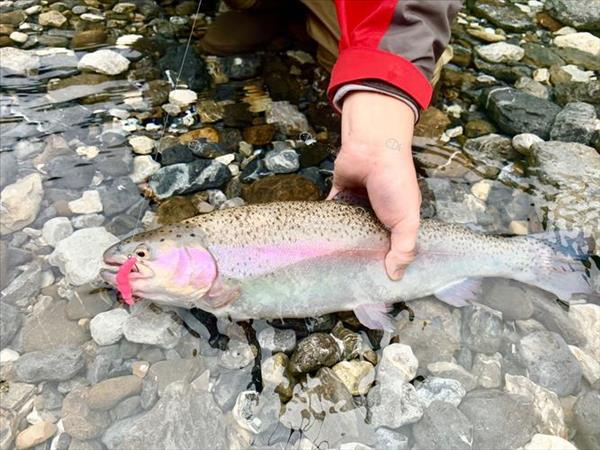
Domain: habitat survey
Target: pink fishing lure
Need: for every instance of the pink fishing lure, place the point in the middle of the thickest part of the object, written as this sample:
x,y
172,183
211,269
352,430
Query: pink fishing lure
x,y
123,284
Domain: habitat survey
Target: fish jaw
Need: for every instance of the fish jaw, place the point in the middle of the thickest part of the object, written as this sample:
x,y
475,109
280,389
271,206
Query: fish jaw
x,y
122,280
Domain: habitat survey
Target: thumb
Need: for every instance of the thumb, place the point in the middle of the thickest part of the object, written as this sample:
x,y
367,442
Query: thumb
x,y
403,240
335,190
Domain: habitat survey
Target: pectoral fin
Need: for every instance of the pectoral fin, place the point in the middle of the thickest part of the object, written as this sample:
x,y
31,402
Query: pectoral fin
x,y
375,316
222,294
460,293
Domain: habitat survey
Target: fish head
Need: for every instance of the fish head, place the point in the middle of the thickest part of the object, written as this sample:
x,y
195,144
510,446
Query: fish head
x,y
172,266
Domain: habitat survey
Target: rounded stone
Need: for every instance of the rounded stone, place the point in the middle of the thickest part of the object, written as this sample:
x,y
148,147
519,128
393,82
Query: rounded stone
x,y
107,327
397,362
315,351
357,376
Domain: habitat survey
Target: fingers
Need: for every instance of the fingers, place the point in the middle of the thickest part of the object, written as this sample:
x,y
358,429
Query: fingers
x,y
402,251
335,190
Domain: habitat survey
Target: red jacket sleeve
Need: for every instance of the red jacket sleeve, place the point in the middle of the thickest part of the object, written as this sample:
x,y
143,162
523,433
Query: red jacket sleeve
x,y
394,41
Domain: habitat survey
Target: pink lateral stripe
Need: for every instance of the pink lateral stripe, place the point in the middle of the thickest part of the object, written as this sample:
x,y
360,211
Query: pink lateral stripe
x,y
122,278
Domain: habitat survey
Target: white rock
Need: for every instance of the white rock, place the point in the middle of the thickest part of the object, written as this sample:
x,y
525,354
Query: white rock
x,y
524,141
18,37
454,132
143,168
501,52
182,97
589,366
548,442
564,31
128,39
398,362
35,9
519,227
578,75
357,376
441,389
56,229
79,257
488,370
142,145
8,355
587,319
18,61
482,189
89,203
226,159
107,62
149,325
288,118
89,151
546,405
107,327
52,19
20,203
541,75
89,17
586,42
276,340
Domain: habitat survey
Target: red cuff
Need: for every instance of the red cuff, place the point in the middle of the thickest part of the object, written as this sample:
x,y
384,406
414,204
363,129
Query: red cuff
x,y
355,64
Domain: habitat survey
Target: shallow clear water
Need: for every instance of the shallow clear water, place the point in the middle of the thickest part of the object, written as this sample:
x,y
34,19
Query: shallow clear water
x,y
72,186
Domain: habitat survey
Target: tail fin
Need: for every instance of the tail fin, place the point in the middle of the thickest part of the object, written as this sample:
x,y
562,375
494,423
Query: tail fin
x,y
563,264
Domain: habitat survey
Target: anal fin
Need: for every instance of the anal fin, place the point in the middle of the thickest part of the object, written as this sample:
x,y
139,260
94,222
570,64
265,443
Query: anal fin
x,y
460,293
375,316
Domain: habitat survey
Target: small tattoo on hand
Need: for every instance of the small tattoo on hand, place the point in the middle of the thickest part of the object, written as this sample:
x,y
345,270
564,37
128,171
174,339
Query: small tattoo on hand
x,y
393,144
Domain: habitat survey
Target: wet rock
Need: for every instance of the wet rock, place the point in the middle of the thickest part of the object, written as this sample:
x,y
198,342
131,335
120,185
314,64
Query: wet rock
x,y
87,302
585,42
143,168
332,415
241,67
56,229
163,373
49,328
126,408
577,92
488,370
175,209
499,420
287,187
10,322
209,111
88,39
398,362
108,393
504,15
577,122
587,417
512,299
357,376
107,327
50,365
25,286
107,62
390,440
190,415
282,160
546,405
71,172
20,203
79,257
228,385
287,117
35,435
187,178
88,203
314,351
582,15
558,162
440,389
533,87
79,420
52,19
276,340
482,328
549,362
489,152
148,324
239,354
179,154
501,52
478,127
524,141
193,73
517,112
237,115
554,318
259,134
443,427
433,335
432,123
14,18
182,97
590,367
142,145
445,369
393,404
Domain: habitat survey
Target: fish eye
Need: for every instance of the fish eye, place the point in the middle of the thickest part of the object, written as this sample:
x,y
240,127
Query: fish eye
x,y
142,252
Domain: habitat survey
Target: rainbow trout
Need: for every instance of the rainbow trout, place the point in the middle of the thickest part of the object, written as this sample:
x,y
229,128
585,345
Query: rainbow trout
x,y
305,259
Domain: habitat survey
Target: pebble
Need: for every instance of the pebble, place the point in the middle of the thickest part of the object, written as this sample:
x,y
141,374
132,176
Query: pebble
x,y
142,145
398,362
548,442
482,328
79,256
238,355
107,327
443,427
590,367
546,404
81,421
586,42
144,167
187,178
524,141
88,203
149,325
182,97
140,368
390,440
282,161
56,229
107,62
577,122
108,393
357,376
587,416
287,117
20,203
35,435
52,19
488,370
7,355
549,362
314,351
393,404
579,14
578,75
587,319
18,37
501,52
446,369
276,340
50,365
440,389
89,151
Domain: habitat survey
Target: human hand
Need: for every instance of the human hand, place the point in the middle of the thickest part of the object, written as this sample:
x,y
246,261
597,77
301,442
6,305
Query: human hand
x,y
376,156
